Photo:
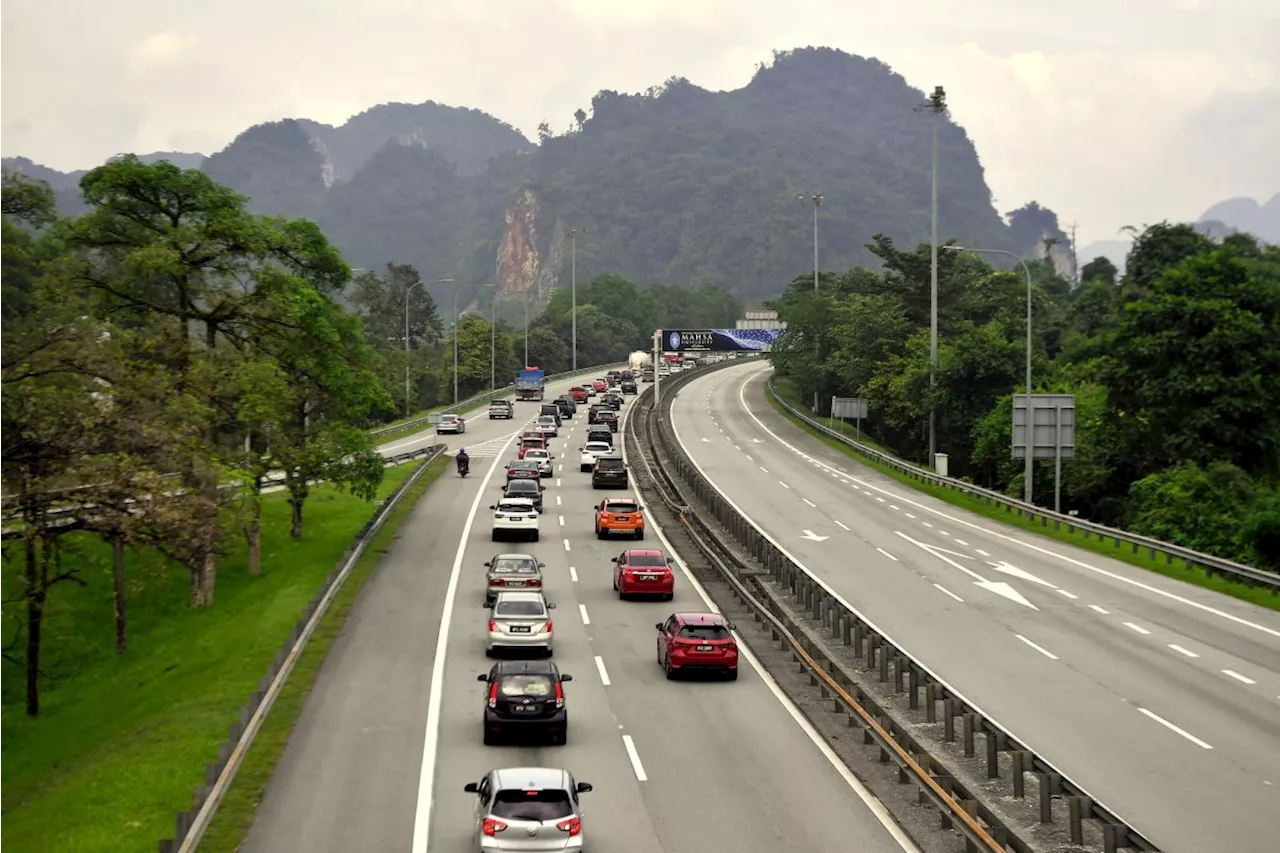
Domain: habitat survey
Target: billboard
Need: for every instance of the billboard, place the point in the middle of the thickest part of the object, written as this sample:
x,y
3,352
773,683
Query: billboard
x,y
718,340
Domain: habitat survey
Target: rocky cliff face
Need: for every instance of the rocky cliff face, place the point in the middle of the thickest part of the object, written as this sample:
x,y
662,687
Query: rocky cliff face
x,y
530,254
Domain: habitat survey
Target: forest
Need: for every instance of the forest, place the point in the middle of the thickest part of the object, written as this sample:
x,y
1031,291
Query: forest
x,y
1173,365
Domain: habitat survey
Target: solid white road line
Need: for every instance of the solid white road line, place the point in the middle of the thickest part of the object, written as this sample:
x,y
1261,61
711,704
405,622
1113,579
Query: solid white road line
x,y
635,758
604,673
1137,628
1104,611
949,592
573,574
1041,649
1171,727
431,740
1180,650
1238,677
887,554
582,610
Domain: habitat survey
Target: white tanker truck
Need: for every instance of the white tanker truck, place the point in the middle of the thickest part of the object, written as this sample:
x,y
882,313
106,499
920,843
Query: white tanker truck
x,y
639,360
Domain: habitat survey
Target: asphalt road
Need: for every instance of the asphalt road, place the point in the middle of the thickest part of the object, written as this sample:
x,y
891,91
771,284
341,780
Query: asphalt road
x,y
1160,698
382,750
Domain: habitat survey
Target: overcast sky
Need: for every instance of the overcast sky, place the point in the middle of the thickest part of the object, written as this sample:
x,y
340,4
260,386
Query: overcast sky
x,y
1111,112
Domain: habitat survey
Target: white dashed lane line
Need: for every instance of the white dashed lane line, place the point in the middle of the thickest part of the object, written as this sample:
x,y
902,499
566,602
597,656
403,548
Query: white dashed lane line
x,y
842,525
887,554
557,500
1041,649
1171,727
1184,652
809,502
784,485
949,592
1137,628
1104,611
582,610
573,574
630,746
1065,594
604,673
566,545
1238,677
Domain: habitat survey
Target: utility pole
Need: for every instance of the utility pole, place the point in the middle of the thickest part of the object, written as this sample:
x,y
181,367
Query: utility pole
x,y
816,201
493,343
937,104
1075,260
526,326
573,254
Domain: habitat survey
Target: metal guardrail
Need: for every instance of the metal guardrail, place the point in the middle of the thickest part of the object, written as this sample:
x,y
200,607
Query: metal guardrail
x,y
910,678
191,824
489,397
1072,524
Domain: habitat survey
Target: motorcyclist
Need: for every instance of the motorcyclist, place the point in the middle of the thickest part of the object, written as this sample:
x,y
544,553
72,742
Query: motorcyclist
x,y
464,461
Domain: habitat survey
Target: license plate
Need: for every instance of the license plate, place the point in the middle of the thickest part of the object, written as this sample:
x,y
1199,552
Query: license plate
x,y
526,709
702,648
515,583
524,629
648,577
624,518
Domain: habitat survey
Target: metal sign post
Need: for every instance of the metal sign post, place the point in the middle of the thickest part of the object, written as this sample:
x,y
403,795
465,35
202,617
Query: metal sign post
x,y
1053,432
657,374
845,408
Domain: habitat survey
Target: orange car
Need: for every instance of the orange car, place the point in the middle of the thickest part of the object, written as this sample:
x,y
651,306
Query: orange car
x,y
619,515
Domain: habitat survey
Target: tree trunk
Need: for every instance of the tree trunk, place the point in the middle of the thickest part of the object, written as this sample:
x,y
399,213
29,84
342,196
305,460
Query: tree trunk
x,y
208,578
35,618
253,533
295,525
121,595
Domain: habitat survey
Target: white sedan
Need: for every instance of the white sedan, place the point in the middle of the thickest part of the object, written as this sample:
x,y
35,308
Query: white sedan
x,y
451,423
542,457
515,517
593,451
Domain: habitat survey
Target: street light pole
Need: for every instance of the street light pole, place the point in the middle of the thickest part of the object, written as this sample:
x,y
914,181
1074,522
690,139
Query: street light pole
x,y
526,327
457,291
1028,491
493,344
816,200
937,104
407,402
573,254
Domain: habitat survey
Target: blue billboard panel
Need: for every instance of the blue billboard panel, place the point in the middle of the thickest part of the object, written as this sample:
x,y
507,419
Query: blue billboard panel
x,y
718,340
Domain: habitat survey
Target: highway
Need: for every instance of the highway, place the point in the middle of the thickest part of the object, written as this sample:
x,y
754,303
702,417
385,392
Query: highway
x,y
1161,699
391,731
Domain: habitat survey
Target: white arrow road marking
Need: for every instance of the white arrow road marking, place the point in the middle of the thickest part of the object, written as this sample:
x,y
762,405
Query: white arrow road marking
x,y
998,587
809,534
1021,574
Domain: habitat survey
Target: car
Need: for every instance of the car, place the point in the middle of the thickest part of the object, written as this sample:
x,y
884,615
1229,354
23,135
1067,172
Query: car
x,y
531,442
608,418
647,376
524,487
591,451
697,642
520,621
523,469
600,433
451,423
505,572
612,400
515,517
543,456
578,393
600,385
525,697
643,571
593,413
568,408
629,386
501,410
523,809
547,425
619,515
610,471
550,409
591,391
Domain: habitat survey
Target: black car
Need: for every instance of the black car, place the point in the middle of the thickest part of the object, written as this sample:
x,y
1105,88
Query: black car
x,y
525,698
524,487
593,413
600,432
551,409
610,471
609,418
629,386
523,469
612,400
567,406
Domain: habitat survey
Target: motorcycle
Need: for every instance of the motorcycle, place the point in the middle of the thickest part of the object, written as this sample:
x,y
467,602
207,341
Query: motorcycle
x,y
464,466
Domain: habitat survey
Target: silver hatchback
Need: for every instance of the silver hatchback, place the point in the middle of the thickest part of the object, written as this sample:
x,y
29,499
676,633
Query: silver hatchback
x,y
520,621
528,810
507,572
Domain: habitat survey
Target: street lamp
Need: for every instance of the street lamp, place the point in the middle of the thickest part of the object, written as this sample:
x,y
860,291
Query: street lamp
x,y
457,291
1026,486
526,327
573,254
816,199
493,343
937,104
407,291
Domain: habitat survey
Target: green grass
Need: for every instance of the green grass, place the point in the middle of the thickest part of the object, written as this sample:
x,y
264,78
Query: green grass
x,y
122,741
235,815
1177,570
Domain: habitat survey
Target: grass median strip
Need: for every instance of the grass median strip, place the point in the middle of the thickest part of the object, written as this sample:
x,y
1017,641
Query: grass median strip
x,y
234,817
1176,570
122,740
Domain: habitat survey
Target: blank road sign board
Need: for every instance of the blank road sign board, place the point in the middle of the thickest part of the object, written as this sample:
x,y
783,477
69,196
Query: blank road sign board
x,y
850,408
1053,430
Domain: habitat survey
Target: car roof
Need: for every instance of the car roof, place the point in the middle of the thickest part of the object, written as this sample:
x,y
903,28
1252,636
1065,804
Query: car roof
x,y
516,481
513,556
620,500
646,552
516,501
531,667
524,778
699,618
600,443
521,596
520,463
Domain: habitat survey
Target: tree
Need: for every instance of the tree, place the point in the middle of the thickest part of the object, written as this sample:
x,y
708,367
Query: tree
x,y
579,118
544,133
1100,269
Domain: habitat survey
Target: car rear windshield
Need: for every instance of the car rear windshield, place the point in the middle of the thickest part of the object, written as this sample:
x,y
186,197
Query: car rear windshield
x,y
522,465
646,560
522,485
516,567
532,441
506,507
535,686
532,805
598,447
616,507
546,419
519,608
607,464
704,632
607,415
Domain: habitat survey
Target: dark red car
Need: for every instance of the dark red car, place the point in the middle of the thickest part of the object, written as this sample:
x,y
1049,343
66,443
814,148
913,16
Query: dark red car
x,y
528,441
643,571
697,642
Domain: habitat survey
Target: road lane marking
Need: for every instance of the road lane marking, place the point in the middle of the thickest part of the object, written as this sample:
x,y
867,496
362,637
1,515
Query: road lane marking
x,y
557,478
894,506
880,499
909,515
582,609
557,500
1137,628
887,554
810,503
566,545
949,592
1238,677
737,446
1171,727
961,542
982,552
1180,650
749,459
1041,649
630,746
927,524
604,674
573,574
1065,594
1104,611
764,469
562,521
784,485
842,524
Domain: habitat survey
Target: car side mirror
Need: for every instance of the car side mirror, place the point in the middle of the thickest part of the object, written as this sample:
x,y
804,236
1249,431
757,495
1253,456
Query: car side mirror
x,y
551,607
658,625
492,507
472,787
584,787
566,677
542,565
488,605
731,626
487,564
582,450
482,677
613,559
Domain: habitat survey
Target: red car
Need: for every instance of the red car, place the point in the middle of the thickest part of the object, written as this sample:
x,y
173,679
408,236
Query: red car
x,y
600,385
529,441
697,642
578,393
643,571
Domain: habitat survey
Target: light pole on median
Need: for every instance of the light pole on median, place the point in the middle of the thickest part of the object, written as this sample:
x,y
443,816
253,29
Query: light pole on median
x,y
457,291
937,104
526,327
573,289
1028,492
816,200
493,343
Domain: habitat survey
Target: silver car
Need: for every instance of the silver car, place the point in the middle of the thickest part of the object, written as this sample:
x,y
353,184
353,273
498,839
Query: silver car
x,y
528,810
451,423
519,621
506,572
547,425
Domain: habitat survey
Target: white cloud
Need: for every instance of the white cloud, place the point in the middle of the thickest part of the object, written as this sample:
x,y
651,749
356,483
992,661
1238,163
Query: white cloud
x,y
160,50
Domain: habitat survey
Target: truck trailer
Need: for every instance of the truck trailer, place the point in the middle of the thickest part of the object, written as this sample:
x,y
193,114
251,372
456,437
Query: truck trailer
x,y
530,384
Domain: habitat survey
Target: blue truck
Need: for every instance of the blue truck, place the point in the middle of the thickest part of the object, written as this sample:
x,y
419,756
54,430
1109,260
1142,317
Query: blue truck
x,y
530,384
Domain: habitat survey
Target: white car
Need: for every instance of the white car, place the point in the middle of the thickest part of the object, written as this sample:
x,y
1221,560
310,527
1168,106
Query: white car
x,y
451,423
520,620
547,425
593,451
542,457
514,517
591,389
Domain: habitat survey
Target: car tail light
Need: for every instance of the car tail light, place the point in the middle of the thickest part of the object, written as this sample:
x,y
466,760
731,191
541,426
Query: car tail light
x,y
493,826
498,582
546,629
559,695
573,826
535,581
493,626
493,695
